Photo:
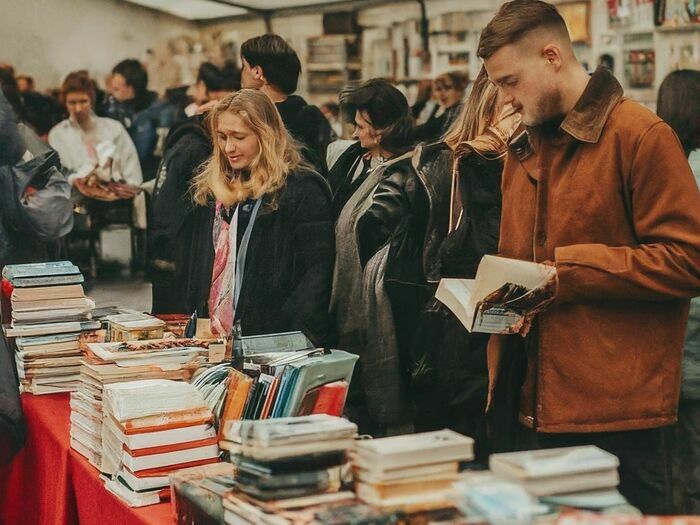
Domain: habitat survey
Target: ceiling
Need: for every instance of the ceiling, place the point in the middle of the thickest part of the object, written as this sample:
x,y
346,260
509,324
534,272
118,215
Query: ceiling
x,y
211,9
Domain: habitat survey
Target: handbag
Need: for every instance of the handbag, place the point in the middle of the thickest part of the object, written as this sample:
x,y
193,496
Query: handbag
x,y
36,198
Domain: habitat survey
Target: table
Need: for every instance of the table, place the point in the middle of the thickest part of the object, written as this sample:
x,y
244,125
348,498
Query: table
x,y
49,483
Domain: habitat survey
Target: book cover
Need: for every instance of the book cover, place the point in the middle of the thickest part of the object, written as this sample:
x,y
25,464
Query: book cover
x,y
42,269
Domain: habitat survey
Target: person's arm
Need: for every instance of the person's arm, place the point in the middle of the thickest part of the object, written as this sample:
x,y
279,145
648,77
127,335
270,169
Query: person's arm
x,y
390,204
314,240
11,143
665,209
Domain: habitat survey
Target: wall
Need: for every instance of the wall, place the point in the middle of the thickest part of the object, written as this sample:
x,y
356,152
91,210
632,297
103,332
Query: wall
x,y
49,38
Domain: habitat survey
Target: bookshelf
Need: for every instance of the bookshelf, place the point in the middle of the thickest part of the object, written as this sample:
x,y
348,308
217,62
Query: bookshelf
x,y
333,62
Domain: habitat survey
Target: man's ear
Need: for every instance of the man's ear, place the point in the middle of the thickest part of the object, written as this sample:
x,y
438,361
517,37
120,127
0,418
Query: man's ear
x,y
258,73
552,54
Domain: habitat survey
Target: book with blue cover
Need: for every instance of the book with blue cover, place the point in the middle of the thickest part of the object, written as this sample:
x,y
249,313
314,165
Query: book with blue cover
x,y
44,269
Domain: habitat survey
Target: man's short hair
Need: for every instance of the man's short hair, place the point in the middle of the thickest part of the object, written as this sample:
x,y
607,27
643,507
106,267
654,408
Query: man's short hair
x,y
225,78
280,63
516,19
134,73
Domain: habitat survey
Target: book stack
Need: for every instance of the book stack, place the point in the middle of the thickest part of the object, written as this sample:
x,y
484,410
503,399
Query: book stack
x,y
108,363
289,458
411,473
288,384
49,312
152,428
555,471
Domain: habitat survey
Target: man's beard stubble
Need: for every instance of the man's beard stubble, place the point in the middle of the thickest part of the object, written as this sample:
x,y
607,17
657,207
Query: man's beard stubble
x,y
547,108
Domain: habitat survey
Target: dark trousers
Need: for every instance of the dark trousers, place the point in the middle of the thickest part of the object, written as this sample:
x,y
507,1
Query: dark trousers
x,y
686,458
645,462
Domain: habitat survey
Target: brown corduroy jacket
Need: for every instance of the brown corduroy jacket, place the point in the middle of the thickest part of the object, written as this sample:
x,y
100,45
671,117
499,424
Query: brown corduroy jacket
x,y
608,196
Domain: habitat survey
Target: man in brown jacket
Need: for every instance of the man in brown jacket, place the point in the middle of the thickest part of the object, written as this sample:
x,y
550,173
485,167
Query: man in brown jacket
x,y
598,186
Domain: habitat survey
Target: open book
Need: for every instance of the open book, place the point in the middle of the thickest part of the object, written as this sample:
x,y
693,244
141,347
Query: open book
x,y
504,293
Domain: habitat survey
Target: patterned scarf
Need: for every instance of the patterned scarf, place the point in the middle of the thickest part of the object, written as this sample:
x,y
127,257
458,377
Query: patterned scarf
x,y
221,309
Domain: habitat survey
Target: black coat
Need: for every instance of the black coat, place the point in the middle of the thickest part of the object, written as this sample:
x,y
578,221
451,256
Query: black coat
x,y
450,377
180,233
306,124
289,264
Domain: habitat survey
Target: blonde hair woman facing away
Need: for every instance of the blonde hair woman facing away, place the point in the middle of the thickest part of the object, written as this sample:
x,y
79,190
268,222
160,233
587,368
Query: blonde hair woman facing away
x,y
273,226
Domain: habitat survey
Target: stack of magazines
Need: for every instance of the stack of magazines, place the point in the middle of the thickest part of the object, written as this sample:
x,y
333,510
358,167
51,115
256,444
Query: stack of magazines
x,y
288,462
108,363
151,429
49,312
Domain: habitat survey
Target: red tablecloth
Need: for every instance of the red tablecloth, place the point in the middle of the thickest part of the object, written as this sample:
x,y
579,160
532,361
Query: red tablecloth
x,y
48,483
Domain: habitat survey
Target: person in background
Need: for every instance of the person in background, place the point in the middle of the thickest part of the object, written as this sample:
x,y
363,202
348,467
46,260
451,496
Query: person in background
x,y
448,90
597,186
331,111
273,225
449,375
213,83
179,233
98,151
679,105
271,65
425,107
378,399
138,109
42,112
25,83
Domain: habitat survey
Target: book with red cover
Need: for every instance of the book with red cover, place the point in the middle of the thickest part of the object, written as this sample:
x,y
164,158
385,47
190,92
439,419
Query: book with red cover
x,y
331,399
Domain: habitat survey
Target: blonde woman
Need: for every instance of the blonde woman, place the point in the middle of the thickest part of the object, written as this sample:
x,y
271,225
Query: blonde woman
x,y
273,226
450,376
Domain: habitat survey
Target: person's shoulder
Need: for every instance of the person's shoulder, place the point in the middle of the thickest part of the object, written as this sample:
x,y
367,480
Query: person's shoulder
x,y
303,182
59,129
632,119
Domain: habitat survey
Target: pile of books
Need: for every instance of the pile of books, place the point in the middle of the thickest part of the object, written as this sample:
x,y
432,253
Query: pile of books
x,y
568,470
49,312
287,463
413,472
151,429
108,363
290,384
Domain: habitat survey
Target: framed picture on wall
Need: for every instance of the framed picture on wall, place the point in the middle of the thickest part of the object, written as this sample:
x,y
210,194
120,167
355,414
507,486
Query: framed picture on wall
x,y
577,18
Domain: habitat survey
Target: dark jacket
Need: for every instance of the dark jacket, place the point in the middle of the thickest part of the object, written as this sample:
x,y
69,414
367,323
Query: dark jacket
x,y
410,210
12,425
289,265
141,117
435,127
450,376
180,238
307,125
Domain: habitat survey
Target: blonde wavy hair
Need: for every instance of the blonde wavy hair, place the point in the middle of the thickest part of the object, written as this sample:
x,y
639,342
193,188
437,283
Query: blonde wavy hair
x,y
278,155
479,112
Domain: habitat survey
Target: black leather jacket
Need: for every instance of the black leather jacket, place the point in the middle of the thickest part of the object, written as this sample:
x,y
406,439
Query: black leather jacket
x,y
410,209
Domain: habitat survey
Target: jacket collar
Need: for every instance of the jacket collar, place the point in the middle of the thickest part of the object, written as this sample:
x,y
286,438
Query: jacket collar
x,y
586,121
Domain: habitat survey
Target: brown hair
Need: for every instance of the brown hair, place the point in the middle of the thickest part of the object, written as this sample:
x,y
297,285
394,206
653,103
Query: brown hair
x,y
679,105
278,156
477,114
456,79
78,82
516,19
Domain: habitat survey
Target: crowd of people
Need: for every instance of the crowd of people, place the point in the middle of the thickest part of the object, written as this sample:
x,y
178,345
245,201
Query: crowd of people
x,y
263,219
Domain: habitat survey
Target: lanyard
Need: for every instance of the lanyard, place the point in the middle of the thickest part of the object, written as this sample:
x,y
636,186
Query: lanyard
x,y
239,253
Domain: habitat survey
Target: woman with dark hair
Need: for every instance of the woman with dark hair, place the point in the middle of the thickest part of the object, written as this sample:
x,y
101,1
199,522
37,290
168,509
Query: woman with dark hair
x,y
448,89
378,400
679,105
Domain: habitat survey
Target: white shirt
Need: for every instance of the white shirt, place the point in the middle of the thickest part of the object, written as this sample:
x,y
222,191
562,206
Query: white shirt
x,y
83,150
